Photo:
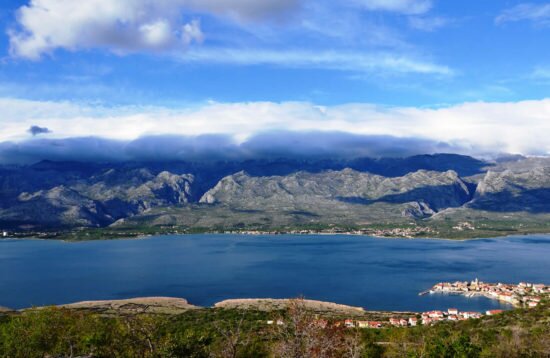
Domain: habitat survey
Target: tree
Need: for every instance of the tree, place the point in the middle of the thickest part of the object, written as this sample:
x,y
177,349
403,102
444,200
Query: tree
x,y
303,335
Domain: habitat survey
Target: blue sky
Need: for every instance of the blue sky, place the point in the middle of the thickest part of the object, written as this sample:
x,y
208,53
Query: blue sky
x,y
97,59
486,60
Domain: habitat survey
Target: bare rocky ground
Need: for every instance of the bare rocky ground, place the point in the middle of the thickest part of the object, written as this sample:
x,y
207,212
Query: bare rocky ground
x,y
176,306
268,304
150,305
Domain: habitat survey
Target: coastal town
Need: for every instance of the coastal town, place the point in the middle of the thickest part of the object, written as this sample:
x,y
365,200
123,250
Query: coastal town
x,y
407,320
396,232
524,294
521,295
405,232
527,295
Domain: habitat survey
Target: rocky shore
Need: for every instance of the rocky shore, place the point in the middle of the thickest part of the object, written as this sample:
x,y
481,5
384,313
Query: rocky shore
x,y
175,306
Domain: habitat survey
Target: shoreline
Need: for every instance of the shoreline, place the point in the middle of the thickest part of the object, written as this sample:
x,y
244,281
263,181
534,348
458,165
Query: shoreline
x,y
271,234
348,316
226,303
262,304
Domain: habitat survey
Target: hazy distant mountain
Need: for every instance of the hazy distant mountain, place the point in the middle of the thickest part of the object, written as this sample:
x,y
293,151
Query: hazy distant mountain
x,y
270,192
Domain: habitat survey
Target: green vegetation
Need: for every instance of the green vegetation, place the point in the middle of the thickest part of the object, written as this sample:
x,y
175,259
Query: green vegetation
x,y
55,332
444,229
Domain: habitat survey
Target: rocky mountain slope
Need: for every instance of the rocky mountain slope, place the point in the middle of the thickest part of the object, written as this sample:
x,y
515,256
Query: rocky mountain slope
x,y
514,190
270,193
426,191
97,201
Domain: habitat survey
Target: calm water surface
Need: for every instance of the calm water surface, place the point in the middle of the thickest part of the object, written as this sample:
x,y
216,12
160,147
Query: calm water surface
x,y
378,274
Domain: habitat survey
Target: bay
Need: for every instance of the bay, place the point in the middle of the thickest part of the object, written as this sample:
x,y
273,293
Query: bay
x,y
374,273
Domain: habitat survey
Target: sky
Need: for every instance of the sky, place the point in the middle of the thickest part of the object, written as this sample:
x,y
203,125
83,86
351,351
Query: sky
x,y
391,77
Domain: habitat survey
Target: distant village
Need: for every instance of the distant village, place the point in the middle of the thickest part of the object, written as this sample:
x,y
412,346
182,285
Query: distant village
x,y
399,232
405,232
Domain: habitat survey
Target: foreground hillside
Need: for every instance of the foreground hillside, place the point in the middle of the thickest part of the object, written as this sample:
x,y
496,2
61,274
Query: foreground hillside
x,y
230,332
439,195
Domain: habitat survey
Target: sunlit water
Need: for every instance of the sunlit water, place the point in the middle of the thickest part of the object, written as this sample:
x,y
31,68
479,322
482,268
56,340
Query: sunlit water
x,y
378,274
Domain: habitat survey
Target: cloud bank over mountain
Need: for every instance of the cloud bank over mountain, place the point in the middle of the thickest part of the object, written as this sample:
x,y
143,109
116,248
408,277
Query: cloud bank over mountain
x,y
208,148
270,129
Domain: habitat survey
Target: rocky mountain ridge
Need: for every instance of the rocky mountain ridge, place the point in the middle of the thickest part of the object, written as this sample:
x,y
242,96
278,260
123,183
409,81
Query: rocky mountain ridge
x,y
302,191
54,195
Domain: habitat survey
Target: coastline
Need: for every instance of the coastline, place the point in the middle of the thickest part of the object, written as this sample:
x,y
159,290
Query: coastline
x,y
175,305
271,234
349,316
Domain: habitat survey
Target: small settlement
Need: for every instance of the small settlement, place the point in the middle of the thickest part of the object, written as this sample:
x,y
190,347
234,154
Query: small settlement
x,y
528,295
404,232
425,318
521,295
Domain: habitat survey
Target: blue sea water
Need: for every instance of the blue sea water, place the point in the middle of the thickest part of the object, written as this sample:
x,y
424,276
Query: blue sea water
x,y
377,274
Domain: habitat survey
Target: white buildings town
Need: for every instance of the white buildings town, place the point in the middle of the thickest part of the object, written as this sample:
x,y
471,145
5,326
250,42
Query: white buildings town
x,y
527,295
520,295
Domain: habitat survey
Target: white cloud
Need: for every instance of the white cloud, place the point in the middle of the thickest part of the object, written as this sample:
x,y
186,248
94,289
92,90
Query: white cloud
x,y
428,23
409,7
130,26
244,10
541,73
514,127
122,25
192,32
156,34
538,13
333,60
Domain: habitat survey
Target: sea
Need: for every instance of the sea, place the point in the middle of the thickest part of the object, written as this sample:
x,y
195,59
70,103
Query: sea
x,y
373,273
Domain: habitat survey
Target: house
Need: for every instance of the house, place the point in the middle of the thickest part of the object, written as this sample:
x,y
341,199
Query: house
x,y
435,314
506,296
375,324
349,323
532,304
403,322
452,311
471,314
4,234
493,312
413,321
363,324
426,321
394,321
452,317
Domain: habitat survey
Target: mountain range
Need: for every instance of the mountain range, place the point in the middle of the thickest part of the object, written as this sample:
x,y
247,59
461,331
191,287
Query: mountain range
x,y
267,194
